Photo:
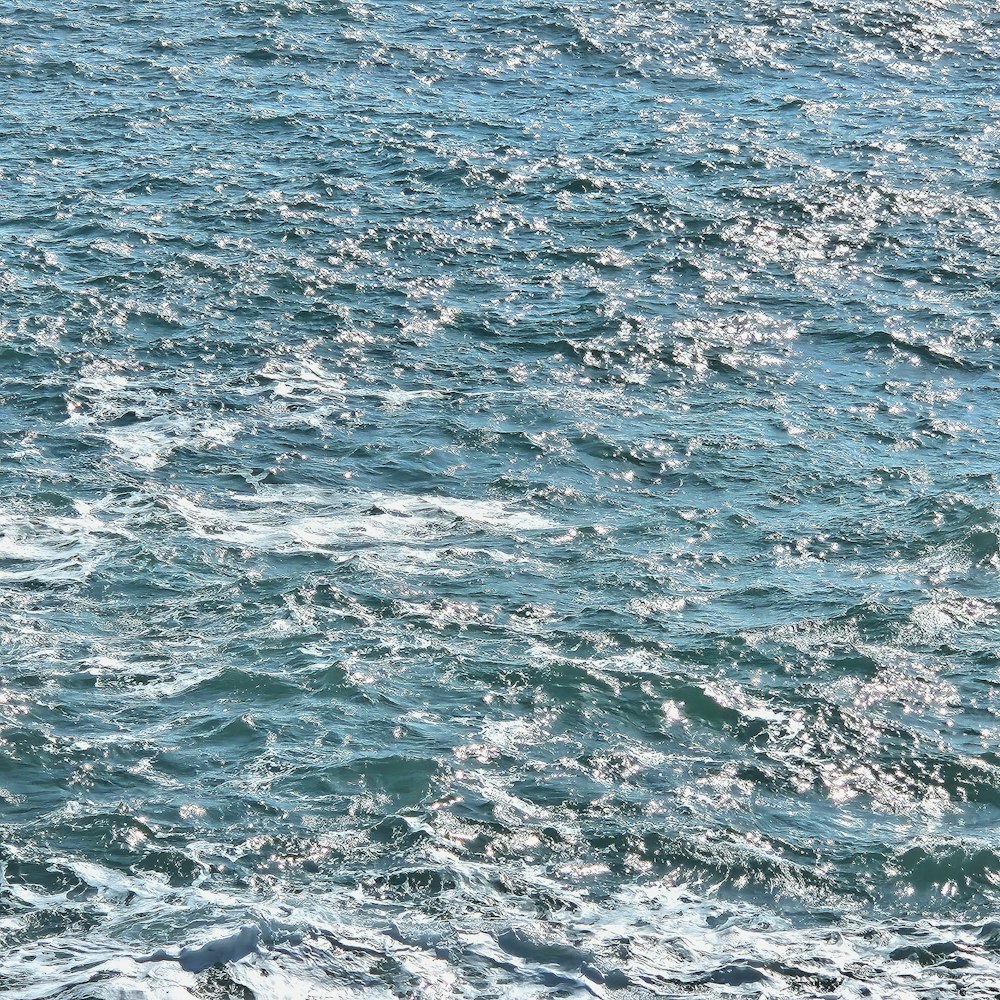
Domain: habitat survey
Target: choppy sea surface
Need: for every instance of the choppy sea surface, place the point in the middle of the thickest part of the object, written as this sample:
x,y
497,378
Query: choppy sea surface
x,y
499,499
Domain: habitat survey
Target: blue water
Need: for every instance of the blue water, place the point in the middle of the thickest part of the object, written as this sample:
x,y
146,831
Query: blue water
x,y
499,499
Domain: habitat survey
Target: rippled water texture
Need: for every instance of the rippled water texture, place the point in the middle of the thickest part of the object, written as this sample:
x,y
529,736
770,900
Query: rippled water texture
x,y
499,499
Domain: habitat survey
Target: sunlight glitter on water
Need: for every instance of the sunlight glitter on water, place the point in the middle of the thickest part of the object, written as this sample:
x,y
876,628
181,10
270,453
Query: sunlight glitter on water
x,y
498,500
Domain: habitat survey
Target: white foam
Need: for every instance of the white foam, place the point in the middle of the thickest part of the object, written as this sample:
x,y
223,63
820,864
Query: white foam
x,y
149,444
653,935
325,521
53,549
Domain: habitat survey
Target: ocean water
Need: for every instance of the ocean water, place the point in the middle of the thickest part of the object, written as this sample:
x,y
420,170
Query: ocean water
x,y
499,499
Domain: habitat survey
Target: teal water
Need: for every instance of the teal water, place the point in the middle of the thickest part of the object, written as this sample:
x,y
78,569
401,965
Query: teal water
x,y
499,499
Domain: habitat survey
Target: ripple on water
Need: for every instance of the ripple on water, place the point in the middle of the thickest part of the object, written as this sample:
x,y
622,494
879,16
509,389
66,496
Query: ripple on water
x,y
498,500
